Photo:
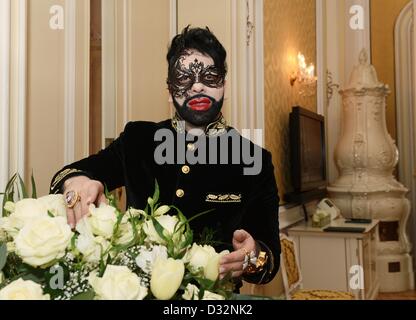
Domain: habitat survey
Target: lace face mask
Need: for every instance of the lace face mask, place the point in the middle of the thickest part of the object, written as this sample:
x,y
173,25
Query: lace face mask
x,y
182,78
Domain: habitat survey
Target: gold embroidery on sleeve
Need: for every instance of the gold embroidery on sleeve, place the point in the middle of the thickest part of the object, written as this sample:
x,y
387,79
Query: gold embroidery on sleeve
x,y
62,176
223,198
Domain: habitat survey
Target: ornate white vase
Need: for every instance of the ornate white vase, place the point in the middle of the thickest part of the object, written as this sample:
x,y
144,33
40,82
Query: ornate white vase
x,y
366,157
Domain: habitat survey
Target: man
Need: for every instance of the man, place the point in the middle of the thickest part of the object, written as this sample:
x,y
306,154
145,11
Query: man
x,y
194,178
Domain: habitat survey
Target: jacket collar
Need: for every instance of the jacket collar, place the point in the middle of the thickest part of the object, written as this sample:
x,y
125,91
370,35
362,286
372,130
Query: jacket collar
x,y
214,129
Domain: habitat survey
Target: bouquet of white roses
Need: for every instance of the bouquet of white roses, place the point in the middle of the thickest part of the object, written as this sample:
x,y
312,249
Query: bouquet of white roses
x,y
112,255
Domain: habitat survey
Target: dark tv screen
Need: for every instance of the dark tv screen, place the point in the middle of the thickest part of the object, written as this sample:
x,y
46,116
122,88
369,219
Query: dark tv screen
x,y
307,145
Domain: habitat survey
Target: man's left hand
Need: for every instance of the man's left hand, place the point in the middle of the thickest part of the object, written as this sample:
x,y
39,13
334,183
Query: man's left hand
x,y
243,244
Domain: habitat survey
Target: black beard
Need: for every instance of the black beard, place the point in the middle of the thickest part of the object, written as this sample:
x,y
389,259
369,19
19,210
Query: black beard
x,y
199,118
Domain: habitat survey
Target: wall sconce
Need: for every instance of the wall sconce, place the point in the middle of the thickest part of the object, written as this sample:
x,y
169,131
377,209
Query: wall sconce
x,y
305,74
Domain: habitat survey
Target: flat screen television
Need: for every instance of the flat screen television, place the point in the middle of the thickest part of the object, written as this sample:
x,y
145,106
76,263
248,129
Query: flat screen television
x,y
307,153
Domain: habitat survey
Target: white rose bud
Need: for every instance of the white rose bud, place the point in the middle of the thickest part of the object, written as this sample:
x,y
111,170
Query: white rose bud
x,y
43,240
118,283
102,220
23,290
204,257
132,213
161,211
167,222
150,201
9,206
166,278
135,212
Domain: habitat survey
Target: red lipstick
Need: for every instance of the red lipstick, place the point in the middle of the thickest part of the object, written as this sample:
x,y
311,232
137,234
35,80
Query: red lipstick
x,y
200,104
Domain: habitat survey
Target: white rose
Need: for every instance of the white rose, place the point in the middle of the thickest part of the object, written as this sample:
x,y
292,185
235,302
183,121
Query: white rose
x,y
204,257
167,222
192,293
23,290
90,246
24,211
118,283
146,259
126,234
166,278
102,220
43,240
55,204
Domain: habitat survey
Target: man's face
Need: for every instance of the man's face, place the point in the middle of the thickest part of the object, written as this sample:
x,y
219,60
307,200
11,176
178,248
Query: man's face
x,y
197,88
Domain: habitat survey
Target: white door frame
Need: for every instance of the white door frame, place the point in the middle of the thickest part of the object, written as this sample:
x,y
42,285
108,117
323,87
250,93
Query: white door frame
x,y
406,107
5,38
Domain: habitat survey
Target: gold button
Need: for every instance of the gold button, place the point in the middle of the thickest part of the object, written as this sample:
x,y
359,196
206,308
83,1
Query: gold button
x,y
191,147
180,193
186,169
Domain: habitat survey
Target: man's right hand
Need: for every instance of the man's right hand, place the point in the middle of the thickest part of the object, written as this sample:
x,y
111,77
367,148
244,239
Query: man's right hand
x,y
89,191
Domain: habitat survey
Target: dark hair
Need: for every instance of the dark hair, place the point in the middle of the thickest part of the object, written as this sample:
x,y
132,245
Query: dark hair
x,y
202,40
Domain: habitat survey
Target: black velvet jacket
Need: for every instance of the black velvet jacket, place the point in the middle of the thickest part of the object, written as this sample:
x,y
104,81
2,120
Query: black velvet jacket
x,y
239,201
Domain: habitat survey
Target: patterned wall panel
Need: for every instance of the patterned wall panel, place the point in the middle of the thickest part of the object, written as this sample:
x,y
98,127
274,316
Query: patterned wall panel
x,y
290,27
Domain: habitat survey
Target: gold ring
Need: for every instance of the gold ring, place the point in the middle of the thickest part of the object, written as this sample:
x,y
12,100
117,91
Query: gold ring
x,y
250,262
246,259
71,199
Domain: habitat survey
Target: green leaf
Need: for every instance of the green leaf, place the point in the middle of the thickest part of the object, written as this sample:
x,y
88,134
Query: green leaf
x,y
189,237
50,214
3,256
156,194
34,193
116,227
159,229
88,295
73,242
205,283
33,277
28,272
194,217
23,187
